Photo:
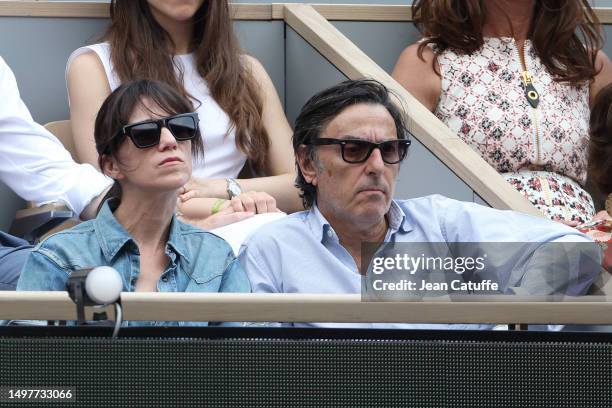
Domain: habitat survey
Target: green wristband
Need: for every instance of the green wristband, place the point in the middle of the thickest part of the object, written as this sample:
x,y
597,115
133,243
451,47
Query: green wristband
x,y
216,207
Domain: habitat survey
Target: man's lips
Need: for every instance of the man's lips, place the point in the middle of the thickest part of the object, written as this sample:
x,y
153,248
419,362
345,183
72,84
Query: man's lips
x,y
170,160
373,189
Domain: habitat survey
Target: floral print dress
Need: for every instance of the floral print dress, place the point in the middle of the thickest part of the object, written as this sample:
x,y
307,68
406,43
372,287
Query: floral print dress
x,y
541,151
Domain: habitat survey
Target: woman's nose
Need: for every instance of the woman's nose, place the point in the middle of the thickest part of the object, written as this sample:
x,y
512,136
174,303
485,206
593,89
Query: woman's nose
x,y
167,139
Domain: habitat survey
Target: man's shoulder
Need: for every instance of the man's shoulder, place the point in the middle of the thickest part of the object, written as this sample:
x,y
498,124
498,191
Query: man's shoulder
x,y
284,229
431,202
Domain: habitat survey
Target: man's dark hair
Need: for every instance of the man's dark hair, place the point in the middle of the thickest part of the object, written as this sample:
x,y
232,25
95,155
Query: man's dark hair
x,y
323,107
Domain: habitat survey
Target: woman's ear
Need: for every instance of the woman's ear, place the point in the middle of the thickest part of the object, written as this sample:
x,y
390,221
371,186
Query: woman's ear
x,y
111,168
307,167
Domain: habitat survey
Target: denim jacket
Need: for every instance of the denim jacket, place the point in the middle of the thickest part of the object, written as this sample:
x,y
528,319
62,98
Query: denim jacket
x,y
199,261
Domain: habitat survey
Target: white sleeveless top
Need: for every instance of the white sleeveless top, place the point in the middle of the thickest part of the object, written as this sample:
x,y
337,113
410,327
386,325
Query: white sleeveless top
x,y
542,152
222,158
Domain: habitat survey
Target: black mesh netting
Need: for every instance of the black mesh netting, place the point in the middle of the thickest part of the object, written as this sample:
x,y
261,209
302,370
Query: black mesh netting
x,y
234,372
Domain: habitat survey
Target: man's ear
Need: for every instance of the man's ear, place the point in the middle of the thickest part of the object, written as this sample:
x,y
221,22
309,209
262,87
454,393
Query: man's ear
x,y
111,168
307,167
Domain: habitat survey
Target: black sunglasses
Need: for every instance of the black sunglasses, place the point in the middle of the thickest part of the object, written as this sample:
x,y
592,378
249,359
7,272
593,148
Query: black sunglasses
x,y
358,151
148,133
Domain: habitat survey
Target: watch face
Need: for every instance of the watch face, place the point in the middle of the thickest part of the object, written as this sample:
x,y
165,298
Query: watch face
x,y
233,188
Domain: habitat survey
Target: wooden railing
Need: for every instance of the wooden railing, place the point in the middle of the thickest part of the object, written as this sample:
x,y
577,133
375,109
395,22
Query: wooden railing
x,y
258,307
241,11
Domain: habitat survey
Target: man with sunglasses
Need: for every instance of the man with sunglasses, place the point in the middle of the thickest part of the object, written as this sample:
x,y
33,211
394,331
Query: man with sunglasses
x,y
349,141
35,165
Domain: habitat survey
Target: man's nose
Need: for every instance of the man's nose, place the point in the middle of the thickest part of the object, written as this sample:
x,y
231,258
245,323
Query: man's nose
x,y
167,140
375,163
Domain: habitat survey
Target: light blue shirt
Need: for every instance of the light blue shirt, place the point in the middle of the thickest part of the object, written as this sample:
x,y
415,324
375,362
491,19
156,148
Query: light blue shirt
x,y
198,260
302,254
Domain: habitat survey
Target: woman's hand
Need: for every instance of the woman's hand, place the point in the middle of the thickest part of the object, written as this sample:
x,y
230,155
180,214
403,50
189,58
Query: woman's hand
x,y
193,202
254,201
572,224
224,217
197,211
602,216
196,188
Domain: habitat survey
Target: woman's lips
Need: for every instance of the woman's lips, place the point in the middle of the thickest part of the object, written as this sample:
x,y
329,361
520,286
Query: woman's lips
x,y
170,160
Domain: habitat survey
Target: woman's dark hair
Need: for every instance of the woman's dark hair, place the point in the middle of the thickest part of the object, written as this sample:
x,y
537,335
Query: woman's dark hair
x,y
323,107
142,49
566,34
600,145
119,106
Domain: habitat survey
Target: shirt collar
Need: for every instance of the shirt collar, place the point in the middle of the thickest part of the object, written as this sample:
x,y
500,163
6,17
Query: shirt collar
x,y
317,222
113,236
397,218
176,239
320,226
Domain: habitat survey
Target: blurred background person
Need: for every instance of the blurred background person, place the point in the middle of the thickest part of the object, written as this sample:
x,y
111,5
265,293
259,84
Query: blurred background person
x,y
192,47
600,169
36,166
515,80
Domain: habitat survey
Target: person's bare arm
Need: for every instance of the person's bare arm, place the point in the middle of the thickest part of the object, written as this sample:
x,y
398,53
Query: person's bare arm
x,y
87,89
603,78
280,164
418,75
91,210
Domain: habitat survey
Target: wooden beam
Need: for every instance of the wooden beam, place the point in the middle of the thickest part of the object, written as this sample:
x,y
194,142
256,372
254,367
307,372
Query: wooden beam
x,y
241,11
387,12
36,306
34,8
53,9
604,14
428,129
259,307
355,12
245,11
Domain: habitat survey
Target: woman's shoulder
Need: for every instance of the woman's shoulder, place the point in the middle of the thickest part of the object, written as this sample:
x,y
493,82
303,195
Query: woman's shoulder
x,y
84,62
424,53
255,67
74,234
196,237
415,70
66,246
95,52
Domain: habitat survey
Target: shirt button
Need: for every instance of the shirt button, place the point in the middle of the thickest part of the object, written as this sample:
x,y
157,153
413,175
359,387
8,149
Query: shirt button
x,y
164,279
133,281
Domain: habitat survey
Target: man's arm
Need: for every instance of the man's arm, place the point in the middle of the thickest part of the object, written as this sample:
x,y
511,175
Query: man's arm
x,y
532,255
261,274
33,163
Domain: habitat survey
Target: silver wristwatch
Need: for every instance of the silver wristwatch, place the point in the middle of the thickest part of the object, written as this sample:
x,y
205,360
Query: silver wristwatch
x,y
233,188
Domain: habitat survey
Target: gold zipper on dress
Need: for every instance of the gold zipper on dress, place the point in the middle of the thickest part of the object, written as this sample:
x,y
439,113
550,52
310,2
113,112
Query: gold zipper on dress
x,y
532,95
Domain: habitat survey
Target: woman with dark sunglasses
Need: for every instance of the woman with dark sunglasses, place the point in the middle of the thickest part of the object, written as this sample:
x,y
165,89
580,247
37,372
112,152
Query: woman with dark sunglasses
x,y
146,135
191,46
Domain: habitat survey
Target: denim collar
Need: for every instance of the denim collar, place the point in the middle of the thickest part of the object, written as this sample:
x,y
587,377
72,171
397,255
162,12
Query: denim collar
x,y
112,236
320,226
